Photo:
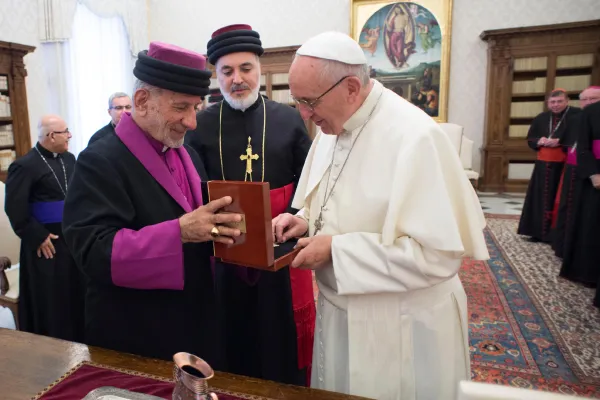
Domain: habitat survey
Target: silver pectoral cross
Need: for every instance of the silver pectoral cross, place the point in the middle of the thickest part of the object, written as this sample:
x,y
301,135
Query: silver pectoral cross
x,y
319,223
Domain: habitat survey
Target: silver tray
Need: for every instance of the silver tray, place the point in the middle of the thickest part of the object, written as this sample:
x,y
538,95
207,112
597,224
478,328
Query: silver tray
x,y
113,393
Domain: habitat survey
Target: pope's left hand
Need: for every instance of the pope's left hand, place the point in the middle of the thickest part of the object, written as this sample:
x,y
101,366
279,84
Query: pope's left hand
x,y
315,253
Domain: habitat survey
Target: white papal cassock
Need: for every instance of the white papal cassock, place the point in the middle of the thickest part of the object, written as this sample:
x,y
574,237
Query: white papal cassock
x,y
392,313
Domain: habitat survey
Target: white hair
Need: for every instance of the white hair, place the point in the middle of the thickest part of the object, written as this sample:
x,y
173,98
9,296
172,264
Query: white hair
x,y
43,130
141,85
116,95
333,71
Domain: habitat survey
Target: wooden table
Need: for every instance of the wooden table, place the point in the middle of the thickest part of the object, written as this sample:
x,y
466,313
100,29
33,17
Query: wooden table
x,y
29,363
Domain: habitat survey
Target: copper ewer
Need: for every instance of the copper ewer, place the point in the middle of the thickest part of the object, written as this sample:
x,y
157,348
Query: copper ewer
x,y
191,376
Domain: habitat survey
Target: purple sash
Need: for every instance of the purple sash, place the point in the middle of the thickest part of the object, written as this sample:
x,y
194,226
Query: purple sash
x,y
596,148
571,156
47,212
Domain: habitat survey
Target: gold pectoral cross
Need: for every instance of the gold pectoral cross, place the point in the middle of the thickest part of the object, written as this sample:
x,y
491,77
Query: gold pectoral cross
x,y
248,157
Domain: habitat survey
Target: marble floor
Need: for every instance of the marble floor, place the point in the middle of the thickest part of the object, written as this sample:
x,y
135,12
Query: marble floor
x,y
505,203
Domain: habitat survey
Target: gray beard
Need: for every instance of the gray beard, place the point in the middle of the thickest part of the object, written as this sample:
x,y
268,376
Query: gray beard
x,y
173,144
242,104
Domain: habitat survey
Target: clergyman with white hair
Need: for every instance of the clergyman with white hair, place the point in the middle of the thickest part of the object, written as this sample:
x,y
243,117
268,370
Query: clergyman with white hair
x,y
118,103
50,285
274,310
138,224
389,216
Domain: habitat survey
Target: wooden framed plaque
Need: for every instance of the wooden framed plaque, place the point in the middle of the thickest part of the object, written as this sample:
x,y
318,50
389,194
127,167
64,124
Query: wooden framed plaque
x,y
254,247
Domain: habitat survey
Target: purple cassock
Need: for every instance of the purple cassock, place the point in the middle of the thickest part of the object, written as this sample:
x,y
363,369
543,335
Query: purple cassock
x,y
152,257
147,293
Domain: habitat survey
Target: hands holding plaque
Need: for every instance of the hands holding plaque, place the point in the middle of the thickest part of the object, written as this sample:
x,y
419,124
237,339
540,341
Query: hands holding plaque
x,y
287,226
254,247
315,251
206,223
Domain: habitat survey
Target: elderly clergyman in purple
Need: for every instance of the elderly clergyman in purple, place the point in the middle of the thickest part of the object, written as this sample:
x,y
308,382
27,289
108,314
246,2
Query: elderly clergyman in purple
x,y
138,224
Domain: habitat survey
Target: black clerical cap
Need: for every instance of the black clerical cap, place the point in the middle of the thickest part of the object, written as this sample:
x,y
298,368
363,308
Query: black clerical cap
x,y
173,68
233,39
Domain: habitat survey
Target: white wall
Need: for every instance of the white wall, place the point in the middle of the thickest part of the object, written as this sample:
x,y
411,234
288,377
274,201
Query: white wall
x,y
18,23
287,23
468,67
279,22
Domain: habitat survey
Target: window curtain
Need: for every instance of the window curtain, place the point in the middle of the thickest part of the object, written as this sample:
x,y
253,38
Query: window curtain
x,y
56,18
89,48
96,64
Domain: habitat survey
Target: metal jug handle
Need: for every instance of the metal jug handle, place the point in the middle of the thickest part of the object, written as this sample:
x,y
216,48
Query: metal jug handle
x,y
191,375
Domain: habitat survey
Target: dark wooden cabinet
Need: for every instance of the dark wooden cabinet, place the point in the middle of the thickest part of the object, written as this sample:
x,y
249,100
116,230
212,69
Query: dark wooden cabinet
x,y
524,65
15,134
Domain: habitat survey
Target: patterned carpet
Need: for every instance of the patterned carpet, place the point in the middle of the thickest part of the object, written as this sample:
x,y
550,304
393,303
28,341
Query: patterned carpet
x,y
528,328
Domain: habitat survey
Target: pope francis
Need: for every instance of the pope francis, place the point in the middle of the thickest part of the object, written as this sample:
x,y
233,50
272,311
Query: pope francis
x,y
389,214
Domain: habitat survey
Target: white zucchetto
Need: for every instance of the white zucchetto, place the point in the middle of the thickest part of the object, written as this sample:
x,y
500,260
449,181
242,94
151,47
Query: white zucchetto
x,y
334,46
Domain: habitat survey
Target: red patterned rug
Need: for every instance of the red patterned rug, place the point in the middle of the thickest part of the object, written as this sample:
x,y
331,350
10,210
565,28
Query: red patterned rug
x,y
527,327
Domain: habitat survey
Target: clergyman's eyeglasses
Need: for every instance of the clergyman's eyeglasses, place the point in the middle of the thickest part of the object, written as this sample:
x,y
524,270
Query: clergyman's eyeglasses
x,y
66,131
119,108
311,104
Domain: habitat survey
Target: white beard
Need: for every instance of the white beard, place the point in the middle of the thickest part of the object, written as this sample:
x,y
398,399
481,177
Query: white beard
x,y
163,132
242,104
172,143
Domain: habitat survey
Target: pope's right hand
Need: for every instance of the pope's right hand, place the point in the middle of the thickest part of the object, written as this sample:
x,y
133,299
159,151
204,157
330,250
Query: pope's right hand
x,y
196,226
287,226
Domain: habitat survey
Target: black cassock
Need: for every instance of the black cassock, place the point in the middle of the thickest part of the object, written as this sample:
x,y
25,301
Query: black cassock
x,y
108,129
568,189
581,261
132,304
286,142
50,290
268,317
536,218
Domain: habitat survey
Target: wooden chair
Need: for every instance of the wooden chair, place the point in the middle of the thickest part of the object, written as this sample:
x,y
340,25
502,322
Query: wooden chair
x,y
10,245
9,288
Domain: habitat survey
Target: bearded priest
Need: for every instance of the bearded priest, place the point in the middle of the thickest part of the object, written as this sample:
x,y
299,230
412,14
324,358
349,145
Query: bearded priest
x,y
247,137
138,225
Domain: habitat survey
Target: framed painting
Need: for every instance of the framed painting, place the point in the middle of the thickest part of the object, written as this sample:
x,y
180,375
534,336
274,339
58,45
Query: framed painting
x,y
407,44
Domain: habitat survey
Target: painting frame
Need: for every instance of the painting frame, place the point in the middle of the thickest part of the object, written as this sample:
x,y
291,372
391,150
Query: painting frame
x,y
362,11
